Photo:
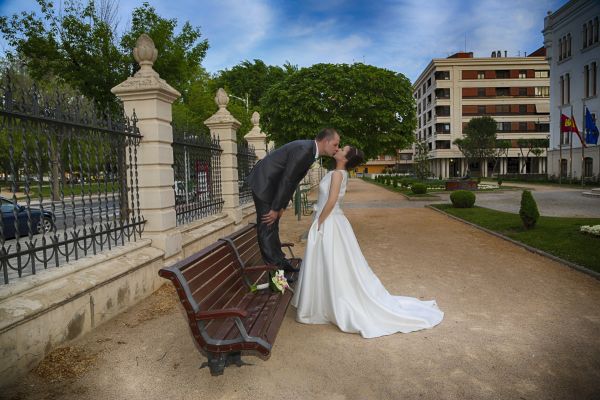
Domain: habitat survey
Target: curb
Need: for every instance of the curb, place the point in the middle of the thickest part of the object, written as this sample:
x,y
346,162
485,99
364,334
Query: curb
x,y
570,264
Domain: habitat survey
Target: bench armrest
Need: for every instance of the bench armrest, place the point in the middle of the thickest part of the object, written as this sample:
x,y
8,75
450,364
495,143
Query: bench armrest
x,y
223,313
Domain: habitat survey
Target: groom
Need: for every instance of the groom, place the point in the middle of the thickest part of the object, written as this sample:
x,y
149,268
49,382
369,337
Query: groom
x,y
273,181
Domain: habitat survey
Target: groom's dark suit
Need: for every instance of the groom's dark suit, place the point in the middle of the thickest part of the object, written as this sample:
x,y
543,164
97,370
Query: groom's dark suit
x,y
273,181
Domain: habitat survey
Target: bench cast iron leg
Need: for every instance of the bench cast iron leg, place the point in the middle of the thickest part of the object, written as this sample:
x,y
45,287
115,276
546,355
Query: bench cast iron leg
x,y
218,361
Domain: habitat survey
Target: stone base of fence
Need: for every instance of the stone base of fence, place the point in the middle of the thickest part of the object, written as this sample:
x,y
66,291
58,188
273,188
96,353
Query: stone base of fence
x,y
51,309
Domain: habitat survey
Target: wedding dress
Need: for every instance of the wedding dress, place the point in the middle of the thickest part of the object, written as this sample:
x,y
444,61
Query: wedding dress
x,y
337,285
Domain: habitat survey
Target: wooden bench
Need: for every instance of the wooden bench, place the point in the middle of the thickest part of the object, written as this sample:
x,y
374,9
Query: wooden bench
x,y
226,319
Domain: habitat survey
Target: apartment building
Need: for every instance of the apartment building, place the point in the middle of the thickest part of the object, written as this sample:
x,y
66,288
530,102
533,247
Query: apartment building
x,y
512,90
572,42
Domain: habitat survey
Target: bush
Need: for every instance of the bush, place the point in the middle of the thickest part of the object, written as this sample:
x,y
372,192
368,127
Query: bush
x,y
462,199
529,211
419,188
499,182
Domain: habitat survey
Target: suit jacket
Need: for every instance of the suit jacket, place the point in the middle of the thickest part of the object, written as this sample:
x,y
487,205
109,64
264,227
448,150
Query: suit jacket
x,y
274,178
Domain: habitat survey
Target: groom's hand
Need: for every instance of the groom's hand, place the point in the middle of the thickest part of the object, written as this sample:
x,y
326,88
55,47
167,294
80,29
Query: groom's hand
x,y
270,217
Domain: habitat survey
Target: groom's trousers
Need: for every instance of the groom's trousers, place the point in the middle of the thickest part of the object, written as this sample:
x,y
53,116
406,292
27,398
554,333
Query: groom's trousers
x,y
268,236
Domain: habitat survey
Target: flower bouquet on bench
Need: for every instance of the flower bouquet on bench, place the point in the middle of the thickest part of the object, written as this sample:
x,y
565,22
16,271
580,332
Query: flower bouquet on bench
x,y
277,283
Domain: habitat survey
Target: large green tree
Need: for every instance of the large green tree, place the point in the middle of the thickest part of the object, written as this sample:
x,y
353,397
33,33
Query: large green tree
x,y
78,43
371,107
479,141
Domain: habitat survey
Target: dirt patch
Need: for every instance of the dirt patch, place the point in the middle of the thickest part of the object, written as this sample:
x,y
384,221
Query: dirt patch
x,y
159,303
65,363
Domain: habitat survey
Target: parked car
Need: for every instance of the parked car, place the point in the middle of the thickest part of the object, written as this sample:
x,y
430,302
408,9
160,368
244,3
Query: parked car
x,y
40,221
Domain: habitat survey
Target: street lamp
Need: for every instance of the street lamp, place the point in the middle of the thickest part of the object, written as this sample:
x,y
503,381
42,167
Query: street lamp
x,y
245,101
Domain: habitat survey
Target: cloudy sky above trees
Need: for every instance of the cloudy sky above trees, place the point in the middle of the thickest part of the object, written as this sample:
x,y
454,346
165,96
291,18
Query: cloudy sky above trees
x,y
401,35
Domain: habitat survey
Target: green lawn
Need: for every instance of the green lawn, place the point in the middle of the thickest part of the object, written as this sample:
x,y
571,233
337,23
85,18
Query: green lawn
x,y
404,191
76,190
554,235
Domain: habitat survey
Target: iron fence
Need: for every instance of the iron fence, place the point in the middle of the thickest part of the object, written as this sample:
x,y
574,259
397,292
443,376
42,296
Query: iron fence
x,y
197,169
246,158
68,175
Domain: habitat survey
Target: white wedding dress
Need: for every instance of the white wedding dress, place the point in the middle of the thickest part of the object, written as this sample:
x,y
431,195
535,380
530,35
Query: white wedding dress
x,y
337,285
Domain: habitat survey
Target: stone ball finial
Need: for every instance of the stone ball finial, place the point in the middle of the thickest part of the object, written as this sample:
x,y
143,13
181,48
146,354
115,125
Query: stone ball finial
x,y
145,52
222,99
255,118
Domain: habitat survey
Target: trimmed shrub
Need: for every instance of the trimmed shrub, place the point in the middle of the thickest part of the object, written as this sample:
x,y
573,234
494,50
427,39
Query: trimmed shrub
x,y
529,211
419,188
462,199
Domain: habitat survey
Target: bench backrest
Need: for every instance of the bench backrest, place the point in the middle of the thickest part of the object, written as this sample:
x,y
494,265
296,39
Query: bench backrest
x,y
207,280
245,242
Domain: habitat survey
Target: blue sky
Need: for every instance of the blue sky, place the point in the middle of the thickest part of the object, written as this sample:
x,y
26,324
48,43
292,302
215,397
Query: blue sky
x,y
400,35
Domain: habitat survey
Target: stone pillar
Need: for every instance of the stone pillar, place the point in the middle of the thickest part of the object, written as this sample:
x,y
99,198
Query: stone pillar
x,y
151,98
256,138
223,125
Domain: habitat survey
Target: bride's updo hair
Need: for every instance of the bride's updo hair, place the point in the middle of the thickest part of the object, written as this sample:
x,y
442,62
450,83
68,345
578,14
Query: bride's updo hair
x,y
355,157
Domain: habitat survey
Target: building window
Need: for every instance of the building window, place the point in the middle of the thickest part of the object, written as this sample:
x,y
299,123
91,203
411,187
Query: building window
x,y
481,110
503,108
590,34
502,91
586,80
523,91
563,167
522,108
542,91
480,75
588,167
480,92
522,74
429,83
594,79
584,35
562,90
568,45
568,88
444,75
503,126
560,49
596,28
502,74
542,74
523,126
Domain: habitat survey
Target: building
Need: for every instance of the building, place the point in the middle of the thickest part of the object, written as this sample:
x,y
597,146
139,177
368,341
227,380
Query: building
x,y
571,39
512,90
401,163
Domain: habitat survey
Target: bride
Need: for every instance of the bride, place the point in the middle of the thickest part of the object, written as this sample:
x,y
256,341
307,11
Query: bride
x,y
336,283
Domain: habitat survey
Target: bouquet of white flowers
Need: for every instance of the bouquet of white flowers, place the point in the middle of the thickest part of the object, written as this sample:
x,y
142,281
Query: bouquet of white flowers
x,y
277,283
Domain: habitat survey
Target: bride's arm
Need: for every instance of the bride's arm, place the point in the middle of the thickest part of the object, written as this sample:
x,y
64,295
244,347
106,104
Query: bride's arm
x,y
334,191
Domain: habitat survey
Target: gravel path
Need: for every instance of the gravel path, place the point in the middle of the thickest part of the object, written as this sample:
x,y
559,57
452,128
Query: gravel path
x,y
517,326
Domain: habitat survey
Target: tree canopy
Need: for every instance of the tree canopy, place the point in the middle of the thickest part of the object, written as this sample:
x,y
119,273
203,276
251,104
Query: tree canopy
x,y
78,43
371,107
479,141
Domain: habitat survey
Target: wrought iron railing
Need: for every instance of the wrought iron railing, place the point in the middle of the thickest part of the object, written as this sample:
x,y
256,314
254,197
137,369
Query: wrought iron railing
x,y
246,158
197,168
68,175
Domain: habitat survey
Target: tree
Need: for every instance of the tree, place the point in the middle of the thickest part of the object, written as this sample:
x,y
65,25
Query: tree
x,y
78,44
251,79
502,146
422,168
479,141
533,146
371,107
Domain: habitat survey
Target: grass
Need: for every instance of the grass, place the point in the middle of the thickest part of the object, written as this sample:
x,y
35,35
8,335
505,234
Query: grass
x,y
555,235
94,188
405,191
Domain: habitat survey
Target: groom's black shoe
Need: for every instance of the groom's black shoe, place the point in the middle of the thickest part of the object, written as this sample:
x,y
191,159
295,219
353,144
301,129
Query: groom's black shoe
x,y
287,267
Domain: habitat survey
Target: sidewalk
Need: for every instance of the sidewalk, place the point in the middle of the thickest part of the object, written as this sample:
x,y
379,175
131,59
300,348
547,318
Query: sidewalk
x,y
517,326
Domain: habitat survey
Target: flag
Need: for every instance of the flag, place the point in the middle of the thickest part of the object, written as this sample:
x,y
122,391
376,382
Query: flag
x,y
591,130
568,125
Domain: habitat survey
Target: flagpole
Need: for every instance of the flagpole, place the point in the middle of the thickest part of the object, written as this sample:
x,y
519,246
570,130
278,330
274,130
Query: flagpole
x,y
560,140
571,151
583,147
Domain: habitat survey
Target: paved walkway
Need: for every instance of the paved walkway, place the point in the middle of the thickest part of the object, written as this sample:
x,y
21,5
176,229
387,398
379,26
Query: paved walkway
x,y
517,326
